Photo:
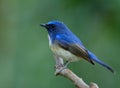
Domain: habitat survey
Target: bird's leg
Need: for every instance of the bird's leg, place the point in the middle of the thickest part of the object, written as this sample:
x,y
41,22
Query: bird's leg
x,y
66,63
59,64
59,67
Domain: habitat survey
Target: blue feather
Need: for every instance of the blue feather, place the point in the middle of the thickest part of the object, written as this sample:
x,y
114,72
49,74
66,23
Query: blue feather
x,y
60,35
94,58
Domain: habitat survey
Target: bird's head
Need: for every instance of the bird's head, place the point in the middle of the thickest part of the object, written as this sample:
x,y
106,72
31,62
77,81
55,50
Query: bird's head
x,y
54,26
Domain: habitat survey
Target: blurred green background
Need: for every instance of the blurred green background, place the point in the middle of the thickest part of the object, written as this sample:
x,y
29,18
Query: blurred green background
x,y
25,58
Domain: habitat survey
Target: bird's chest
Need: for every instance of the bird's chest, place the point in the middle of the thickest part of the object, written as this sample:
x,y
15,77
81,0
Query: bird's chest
x,y
66,55
57,50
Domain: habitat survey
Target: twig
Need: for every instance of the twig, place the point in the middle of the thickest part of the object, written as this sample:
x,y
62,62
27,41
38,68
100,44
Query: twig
x,y
78,82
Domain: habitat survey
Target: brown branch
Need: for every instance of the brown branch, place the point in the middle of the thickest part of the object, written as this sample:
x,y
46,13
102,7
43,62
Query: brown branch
x,y
78,82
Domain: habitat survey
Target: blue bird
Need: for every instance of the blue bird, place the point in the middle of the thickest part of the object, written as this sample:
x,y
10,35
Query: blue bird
x,y
67,45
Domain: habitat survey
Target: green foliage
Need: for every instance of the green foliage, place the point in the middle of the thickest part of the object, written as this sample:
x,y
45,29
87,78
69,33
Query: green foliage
x,y
25,58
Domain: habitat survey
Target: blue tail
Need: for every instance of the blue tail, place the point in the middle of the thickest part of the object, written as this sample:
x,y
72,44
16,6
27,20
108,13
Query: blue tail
x,y
94,58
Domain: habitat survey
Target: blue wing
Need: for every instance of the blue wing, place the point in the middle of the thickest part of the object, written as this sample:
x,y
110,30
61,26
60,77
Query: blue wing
x,y
75,46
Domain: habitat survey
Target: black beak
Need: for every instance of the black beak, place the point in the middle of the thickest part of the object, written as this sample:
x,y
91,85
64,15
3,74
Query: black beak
x,y
43,25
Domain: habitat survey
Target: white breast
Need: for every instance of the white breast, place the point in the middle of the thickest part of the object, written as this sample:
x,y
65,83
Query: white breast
x,y
66,55
50,42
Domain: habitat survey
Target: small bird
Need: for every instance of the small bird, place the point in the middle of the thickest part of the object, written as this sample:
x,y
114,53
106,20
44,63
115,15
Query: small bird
x,y
67,45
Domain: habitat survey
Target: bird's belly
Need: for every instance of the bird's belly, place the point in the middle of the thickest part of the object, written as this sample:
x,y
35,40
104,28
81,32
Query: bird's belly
x,y
66,55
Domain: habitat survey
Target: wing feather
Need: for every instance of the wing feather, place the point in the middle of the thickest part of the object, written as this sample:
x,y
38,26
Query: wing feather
x,y
74,48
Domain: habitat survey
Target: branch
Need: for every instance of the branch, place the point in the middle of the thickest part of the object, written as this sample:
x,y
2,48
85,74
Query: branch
x,y
67,73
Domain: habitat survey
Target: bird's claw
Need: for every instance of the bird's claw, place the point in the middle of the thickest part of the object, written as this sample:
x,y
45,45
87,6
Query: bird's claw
x,y
59,68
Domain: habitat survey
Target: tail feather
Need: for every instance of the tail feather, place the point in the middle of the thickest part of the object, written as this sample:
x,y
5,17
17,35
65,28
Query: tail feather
x,y
94,58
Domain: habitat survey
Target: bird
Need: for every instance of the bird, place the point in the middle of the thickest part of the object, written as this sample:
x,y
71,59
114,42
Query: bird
x,y
66,45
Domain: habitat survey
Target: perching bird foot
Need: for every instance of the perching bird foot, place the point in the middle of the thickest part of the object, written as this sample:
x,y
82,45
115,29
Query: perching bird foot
x,y
59,69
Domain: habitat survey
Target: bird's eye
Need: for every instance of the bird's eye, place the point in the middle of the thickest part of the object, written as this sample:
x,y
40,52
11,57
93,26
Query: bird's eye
x,y
52,26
